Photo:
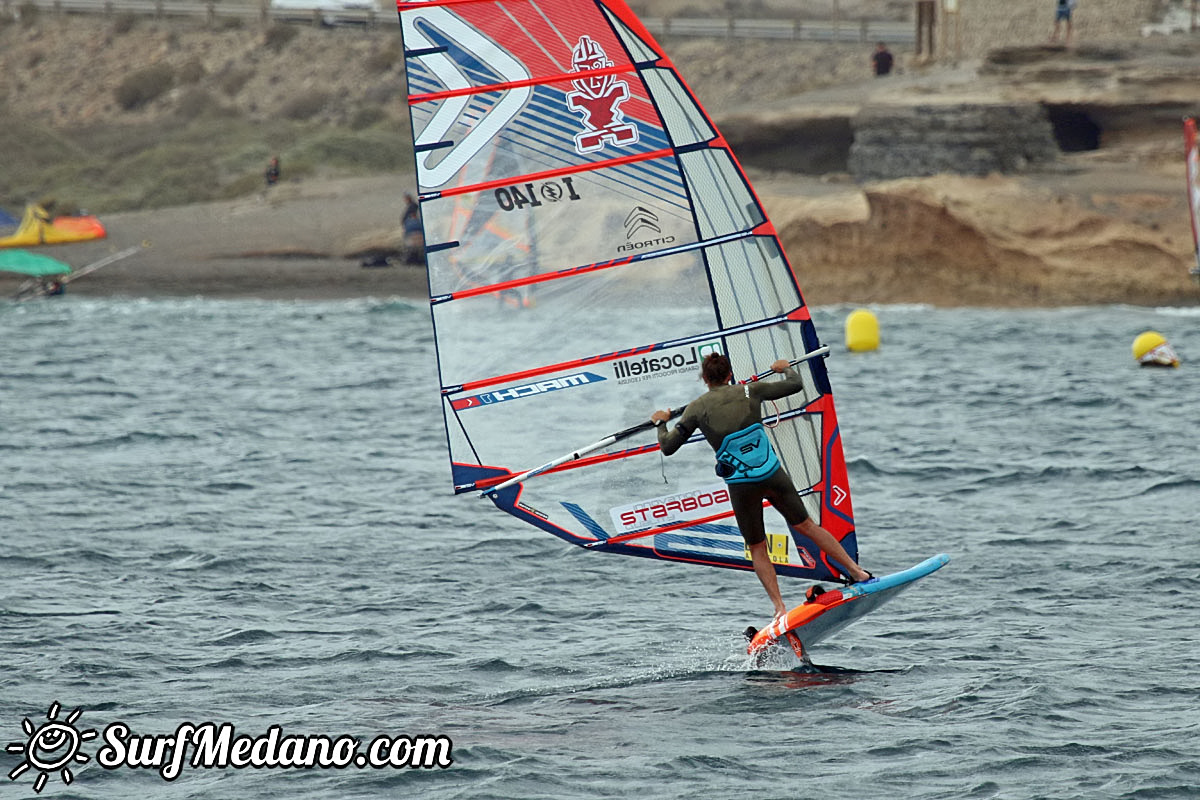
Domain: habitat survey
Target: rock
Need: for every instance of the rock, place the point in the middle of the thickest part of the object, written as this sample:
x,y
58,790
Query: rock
x,y
917,141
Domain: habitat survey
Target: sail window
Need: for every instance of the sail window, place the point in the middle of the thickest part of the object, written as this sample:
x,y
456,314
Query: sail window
x,y
685,122
723,201
639,50
751,281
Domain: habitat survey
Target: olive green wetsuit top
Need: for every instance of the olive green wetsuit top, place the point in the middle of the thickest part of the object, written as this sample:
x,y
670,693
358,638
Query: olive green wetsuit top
x,y
727,409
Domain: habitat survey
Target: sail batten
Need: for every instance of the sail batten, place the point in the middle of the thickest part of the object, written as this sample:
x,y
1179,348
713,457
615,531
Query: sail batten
x,y
548,369
591,461
591,238
483,88
544,175
571,271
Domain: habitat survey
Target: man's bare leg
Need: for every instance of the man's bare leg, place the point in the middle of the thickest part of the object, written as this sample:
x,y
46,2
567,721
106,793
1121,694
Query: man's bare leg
x,y
824,540
765,570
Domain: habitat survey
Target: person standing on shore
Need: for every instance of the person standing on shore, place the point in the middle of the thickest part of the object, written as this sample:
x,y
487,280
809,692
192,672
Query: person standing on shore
x,y
272,173
1062,13
881,60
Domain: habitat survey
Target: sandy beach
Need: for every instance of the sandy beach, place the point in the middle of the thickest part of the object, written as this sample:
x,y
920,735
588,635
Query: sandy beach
x,y
946,241
301,240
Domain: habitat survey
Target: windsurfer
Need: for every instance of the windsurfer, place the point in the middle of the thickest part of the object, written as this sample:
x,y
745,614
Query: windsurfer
x,y
411,219
730,417
414,238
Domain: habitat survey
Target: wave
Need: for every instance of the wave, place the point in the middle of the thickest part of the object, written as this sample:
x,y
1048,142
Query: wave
x,y
361,656
1019,475
398,306
96,612
1171,486
253,636
132,438
188,561
91,394
1178,311
500,608
956,472
222,487
18,564
374,384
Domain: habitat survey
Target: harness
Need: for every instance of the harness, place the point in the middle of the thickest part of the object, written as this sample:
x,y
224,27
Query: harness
x,y
746,456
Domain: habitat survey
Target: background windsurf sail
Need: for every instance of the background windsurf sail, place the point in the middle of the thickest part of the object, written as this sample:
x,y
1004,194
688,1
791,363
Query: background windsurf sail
x,y
563,126
32,264
1192,158
49,276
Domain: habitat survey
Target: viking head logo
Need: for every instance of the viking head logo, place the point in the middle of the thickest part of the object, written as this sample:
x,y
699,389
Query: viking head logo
x,y
598,99
588,56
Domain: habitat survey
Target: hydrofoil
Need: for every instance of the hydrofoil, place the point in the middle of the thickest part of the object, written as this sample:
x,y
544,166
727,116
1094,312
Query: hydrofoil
x,y
826,613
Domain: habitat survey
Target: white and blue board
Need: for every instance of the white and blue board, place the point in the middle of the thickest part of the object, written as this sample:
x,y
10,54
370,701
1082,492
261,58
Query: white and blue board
x,y
830,612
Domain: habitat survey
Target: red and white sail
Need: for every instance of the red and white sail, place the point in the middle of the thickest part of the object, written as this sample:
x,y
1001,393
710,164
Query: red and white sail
x,y
1192,160
590,237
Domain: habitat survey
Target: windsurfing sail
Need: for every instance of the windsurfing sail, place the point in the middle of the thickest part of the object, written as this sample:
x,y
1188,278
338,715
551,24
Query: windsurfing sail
x,y
46,276
34,265
1192,152
558,151
38,227
49,276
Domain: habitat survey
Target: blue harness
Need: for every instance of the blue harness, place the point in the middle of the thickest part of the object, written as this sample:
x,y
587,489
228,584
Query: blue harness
x,y
746,456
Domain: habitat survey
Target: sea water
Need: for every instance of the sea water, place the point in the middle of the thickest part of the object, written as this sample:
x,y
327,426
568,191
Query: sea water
x,y
237,514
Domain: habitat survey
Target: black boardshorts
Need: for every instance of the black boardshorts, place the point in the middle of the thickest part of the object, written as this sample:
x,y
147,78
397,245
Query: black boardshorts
x,y
746,499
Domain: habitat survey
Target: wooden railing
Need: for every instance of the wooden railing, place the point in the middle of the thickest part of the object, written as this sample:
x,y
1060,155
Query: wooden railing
x,y
859,31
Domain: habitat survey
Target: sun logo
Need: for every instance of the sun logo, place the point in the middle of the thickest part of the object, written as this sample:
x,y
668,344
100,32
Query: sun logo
x,y
50,747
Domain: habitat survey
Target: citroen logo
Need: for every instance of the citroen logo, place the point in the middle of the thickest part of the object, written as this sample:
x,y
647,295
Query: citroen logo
x,y
641,218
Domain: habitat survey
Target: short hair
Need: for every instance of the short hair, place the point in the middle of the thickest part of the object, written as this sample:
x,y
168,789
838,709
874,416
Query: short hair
x,y
716,369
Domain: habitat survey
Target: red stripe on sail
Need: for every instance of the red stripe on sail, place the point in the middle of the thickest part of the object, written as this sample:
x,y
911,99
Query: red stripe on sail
x,y
534,177
428,97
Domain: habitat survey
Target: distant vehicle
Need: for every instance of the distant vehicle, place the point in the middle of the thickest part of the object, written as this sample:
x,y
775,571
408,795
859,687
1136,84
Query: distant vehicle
x,y
331,12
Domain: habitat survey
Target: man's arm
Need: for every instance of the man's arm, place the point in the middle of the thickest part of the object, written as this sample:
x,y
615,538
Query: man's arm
x,y
773,390
671,440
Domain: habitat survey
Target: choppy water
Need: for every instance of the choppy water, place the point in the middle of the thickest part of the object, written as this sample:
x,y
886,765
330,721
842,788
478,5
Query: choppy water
x,y
239,512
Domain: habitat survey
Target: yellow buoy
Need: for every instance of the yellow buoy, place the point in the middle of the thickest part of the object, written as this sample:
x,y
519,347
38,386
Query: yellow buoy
x,y
1151,349
862,331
